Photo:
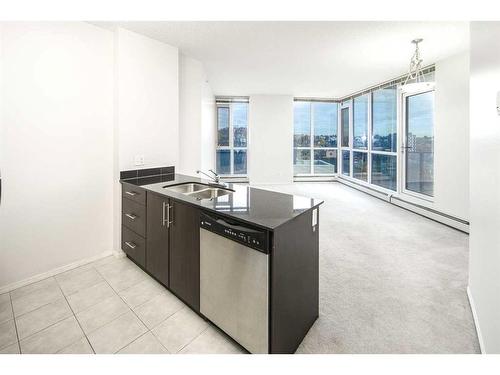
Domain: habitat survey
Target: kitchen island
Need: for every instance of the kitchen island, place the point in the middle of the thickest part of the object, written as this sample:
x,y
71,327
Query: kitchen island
x,y
242,257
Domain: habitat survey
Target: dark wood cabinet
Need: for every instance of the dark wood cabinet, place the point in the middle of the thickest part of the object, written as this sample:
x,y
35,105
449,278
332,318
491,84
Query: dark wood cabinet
x,y
173,246
157,237
162,235
185,253
134,223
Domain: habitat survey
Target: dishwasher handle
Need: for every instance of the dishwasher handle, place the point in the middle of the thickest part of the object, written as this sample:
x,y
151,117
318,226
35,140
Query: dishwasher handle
x,y
227,224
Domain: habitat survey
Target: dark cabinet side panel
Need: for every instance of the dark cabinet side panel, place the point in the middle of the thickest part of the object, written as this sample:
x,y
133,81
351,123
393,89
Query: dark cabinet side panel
x,y
185,253
157,257
294,282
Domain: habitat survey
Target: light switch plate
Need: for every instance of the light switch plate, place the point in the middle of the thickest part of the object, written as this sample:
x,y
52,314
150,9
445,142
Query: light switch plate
x,y
139,160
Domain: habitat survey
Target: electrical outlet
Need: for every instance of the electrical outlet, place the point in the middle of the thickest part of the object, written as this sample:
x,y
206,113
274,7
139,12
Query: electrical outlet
x,y
139,160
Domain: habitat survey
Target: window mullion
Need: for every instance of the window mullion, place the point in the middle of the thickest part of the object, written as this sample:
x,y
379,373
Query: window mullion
x,y
231,140
311,141
369,140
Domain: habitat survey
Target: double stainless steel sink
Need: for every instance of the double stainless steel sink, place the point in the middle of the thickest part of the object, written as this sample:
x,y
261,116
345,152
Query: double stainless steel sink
x,y
199,190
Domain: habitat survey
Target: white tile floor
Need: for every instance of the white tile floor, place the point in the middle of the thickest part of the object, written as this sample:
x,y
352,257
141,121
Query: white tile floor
x,y
109,306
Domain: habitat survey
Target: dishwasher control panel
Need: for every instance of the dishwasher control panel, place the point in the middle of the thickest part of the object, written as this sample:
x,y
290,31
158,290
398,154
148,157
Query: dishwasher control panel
x,y
255,238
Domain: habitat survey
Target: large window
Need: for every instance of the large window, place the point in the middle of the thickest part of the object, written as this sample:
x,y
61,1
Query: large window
x,y
370,154
315,138
386,138
232,126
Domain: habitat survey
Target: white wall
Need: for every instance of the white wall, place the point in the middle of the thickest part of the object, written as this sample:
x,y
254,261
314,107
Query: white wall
x,y
270,155
56,146
196,118
148,100
451,163
146,108
208,133
82,102
484,273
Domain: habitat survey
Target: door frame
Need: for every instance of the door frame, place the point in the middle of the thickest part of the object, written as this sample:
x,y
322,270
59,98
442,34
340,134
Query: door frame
x,y
404,93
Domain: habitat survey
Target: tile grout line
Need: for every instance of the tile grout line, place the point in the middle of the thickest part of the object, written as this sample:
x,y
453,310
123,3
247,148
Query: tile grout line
x,y
151,330
63,296
39,307
111,321
194,338
15,324
133,312
50,325
145,325
48,303
74,315
145,333
168,317
24,286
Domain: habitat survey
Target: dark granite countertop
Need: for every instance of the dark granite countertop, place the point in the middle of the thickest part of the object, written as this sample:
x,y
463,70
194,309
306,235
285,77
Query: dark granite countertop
x,y
264,208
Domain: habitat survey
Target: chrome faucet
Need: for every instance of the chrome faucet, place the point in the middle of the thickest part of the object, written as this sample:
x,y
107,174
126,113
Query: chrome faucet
x,y
215,176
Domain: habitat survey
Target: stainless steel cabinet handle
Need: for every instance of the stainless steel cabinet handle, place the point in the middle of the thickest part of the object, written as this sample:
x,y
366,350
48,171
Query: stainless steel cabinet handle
x,y
163,220
170,221
131,245
131,216
132,193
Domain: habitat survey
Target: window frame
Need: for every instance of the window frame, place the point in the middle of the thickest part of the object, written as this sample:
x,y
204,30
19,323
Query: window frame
x,y
368,120
311,148
387,153
231,148
404,93
351,148
349,103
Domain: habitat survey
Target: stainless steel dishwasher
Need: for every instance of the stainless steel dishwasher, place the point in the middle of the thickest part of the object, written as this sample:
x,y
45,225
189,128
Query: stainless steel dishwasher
x,y
234,280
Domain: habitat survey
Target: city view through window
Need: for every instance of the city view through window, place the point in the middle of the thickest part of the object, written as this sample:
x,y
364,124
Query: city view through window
x,y
232,126
357,138
368,139
315,138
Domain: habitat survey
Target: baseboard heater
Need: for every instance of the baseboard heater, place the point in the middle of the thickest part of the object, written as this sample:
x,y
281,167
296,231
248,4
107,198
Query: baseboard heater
x,y
441,217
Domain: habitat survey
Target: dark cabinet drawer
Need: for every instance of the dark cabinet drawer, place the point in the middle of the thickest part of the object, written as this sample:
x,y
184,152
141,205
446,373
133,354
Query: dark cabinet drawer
x,y
133,193
134,246
134,216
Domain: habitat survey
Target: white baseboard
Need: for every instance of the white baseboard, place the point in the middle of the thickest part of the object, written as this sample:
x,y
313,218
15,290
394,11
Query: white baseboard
x,y
119,253
476,321
365,189
55,271
430,213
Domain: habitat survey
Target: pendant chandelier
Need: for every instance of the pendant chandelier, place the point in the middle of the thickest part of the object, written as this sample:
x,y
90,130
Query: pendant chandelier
x,y
415,78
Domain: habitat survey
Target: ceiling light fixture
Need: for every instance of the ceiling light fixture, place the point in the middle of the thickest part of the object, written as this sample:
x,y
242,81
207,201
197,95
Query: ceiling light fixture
x,y
415,78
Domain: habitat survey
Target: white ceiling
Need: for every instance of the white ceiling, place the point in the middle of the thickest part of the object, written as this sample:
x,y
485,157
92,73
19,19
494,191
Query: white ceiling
x,y
310,59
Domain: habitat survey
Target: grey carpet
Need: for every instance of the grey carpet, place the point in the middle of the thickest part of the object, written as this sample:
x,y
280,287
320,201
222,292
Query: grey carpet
x,y
391,281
